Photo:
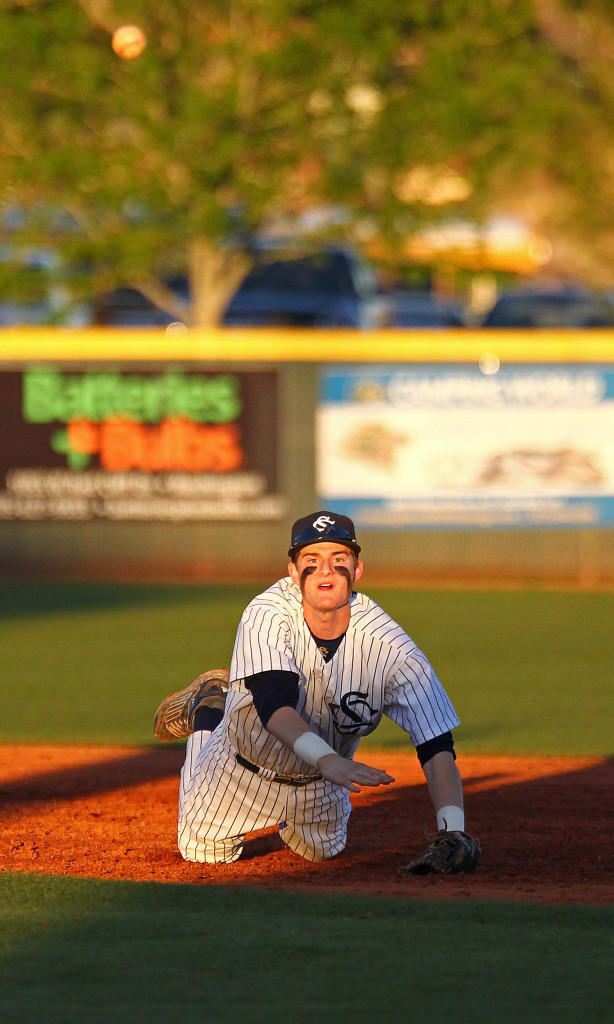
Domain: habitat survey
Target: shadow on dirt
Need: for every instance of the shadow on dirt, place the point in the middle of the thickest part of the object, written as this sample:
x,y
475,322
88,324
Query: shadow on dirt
x,y
545,837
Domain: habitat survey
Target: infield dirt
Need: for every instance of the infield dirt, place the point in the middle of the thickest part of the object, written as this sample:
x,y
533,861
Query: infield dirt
x,y
110,812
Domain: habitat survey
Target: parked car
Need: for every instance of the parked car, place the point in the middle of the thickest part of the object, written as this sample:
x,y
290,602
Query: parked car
x,y
423,309
128,307
331,288
569,307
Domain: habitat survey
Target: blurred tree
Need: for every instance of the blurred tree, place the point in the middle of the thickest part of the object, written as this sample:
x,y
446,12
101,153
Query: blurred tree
x,y
247,113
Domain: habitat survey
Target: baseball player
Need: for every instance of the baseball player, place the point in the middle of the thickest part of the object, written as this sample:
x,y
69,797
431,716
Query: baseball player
x,y
315,665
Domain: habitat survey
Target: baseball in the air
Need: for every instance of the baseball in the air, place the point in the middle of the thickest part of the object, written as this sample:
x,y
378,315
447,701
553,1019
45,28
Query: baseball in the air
x,y
489,363
129,41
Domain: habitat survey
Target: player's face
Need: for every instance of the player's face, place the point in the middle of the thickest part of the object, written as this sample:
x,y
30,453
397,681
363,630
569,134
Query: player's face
x,y
325,573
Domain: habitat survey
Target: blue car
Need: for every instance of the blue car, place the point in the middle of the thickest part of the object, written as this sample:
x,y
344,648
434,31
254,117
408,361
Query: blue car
x,y
565,307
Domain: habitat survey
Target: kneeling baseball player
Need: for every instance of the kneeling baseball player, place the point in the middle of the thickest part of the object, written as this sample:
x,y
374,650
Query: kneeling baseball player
x,y
272,742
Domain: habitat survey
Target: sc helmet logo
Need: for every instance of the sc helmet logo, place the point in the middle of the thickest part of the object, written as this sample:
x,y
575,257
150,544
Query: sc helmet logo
x,y
322,522
347,709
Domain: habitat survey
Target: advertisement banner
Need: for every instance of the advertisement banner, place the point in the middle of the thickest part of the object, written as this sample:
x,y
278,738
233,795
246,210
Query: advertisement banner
x,y
457,446
123,444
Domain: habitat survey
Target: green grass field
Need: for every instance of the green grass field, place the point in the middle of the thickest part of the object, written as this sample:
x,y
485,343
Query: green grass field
x,y
120,953
529,672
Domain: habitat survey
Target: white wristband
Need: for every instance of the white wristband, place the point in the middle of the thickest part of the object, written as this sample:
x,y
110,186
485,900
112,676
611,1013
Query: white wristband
x,y
311,748
451,819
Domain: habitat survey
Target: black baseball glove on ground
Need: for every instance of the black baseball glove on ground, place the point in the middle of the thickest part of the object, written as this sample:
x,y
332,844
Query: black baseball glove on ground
x,y
448,853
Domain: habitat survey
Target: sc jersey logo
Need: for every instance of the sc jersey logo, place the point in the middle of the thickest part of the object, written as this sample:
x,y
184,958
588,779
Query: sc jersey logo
x,y
352,706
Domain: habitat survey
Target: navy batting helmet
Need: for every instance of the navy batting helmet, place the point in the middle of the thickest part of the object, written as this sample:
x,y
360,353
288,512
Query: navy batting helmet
x,y
323,527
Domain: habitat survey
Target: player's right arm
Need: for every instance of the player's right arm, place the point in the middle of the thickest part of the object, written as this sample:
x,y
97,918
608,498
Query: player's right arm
x,y
275,695
287,726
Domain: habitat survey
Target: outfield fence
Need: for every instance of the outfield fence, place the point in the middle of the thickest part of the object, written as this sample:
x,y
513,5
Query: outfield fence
x,y
475,456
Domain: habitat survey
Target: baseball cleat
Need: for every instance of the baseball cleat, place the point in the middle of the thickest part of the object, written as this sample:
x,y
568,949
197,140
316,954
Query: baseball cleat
x,y
175,716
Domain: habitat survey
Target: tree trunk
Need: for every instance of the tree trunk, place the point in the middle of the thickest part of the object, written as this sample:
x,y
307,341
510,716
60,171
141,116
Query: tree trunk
x,y
215,275
165,298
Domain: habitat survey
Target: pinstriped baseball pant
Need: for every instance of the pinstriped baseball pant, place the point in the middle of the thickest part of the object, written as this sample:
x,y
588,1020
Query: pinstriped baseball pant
x,y
220,802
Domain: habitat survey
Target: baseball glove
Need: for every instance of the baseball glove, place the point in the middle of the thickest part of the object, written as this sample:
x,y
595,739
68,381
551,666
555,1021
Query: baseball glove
x,y
448,853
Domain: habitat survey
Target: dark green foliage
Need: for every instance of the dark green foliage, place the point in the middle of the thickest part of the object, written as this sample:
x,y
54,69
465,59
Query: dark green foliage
x,y
238,111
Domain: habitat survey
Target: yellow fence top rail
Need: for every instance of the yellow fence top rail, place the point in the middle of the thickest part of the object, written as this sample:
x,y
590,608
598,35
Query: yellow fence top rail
x,y
36,344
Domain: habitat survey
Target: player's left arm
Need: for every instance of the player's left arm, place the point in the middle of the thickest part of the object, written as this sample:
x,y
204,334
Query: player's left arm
x,y
451,849
446,790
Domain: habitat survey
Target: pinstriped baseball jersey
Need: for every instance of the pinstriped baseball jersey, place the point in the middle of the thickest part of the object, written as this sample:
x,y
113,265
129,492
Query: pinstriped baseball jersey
x,y
376,670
